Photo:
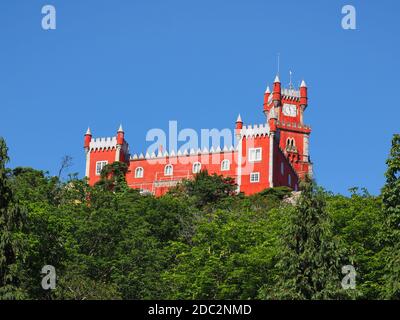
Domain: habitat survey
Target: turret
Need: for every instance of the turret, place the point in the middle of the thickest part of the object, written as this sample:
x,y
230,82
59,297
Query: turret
x,y
239,123
88,138
303,95
86,145
276,96
120,136
267,94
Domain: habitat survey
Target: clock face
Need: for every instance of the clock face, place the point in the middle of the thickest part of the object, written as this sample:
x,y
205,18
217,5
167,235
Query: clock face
x,y
289,110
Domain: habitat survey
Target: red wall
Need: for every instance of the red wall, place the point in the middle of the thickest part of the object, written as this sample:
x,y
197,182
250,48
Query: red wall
x,y
279,179
99,155
155,181
182,168
248,167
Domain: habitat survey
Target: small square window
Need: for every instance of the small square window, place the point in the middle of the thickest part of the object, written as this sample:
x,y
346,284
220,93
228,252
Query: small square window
x,y
254,177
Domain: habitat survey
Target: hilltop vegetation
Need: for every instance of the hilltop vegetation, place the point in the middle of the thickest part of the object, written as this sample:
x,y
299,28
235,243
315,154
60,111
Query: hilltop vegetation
x,y
199,241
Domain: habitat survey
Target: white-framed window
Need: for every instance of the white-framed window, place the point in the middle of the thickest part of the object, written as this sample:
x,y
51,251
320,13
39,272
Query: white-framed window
x,y
196,167
254,177
168,170
99,166
255,154
139,171
289,180
225,165
282,169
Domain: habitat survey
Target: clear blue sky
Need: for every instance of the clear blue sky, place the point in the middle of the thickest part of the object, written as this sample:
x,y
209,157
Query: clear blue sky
x,y
145,62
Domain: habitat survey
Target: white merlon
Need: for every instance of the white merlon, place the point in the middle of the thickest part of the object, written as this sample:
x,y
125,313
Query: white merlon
x,y
291,93
252,131
103,143
185,152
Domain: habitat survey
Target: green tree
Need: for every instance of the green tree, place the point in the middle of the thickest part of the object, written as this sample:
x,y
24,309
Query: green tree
x,y
391,209
12,218
357,220
230,257
112,177
209,189
310,261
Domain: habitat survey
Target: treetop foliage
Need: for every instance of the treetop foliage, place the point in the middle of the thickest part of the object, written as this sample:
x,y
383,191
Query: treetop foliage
x,y
201,240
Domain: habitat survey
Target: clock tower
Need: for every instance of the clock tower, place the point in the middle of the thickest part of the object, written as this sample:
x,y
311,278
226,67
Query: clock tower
x,y
288,106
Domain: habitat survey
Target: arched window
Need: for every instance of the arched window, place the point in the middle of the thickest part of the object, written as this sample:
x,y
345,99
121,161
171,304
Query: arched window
x,y
168,170
139,172
196,167
289,180
225,165
290,144
282,169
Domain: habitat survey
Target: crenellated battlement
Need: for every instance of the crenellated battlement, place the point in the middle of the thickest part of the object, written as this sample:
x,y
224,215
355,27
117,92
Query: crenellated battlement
x,y
184,153
255,130
291,94
107,143
293,125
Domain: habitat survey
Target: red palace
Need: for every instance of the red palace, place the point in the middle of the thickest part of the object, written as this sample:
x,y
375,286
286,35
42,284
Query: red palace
x,y
275,153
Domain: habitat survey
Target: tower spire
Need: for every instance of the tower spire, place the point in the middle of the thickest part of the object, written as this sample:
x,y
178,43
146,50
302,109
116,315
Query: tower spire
x,y
279,63
239,123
